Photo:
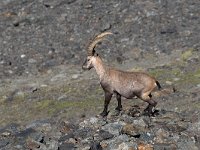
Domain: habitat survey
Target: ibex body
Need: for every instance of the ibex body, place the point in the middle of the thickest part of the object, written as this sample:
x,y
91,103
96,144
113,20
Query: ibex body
x,y
121,83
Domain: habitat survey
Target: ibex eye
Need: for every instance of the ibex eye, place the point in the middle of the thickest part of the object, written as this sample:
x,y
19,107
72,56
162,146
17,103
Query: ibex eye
x,y
88,60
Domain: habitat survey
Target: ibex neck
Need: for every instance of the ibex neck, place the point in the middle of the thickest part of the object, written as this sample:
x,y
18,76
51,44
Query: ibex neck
x,y
100,68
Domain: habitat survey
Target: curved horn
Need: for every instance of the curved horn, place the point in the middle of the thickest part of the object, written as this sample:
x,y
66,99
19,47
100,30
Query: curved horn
x,y
96,40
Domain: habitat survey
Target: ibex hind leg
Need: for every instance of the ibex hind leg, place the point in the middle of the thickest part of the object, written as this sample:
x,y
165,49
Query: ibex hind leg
x,y
149,110
147,98
119,105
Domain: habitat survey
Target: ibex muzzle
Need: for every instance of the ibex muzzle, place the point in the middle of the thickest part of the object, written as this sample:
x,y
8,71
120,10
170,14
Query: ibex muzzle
x,y
87,65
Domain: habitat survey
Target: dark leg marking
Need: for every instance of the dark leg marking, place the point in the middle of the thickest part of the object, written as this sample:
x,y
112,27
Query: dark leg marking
x,y
119,106
149,109
108,97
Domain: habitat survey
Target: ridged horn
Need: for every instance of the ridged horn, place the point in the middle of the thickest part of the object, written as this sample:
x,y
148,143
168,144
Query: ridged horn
x,y
96,40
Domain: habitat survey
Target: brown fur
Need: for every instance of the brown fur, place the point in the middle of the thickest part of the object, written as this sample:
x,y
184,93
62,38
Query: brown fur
x,y
121,83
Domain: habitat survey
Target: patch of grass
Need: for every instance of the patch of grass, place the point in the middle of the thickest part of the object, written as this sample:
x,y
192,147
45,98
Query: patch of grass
x,y
164,73
190,78
187,54
45,103
52,106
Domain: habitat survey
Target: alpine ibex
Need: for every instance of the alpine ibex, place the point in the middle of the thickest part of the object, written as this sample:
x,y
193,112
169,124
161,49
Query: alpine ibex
x,y
121,83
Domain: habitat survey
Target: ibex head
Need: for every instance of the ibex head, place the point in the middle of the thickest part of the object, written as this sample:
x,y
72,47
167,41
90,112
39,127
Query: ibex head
x,y
91,54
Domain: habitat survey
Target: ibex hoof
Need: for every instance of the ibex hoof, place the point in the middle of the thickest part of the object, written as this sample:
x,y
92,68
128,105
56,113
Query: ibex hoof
x,y
118,108
150,112
104,114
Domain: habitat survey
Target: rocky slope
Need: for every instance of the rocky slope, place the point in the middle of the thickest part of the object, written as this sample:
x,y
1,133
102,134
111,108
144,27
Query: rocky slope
x,y
128,131
48,102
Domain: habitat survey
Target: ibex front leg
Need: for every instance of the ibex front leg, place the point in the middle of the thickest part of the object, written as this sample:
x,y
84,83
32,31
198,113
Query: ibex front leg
x,y
108,97
119,106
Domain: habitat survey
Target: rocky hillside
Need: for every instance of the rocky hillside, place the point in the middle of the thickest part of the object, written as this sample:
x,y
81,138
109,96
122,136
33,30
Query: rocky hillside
x,y
128,131
48,102
38,35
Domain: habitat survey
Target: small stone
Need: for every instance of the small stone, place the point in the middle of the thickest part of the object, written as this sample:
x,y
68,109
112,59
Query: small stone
x,y
104,145
104,135
23,56
169,82
113,128
129,129
72,140
62,97
10,71
66,127
6,133
43,85
114,143
58,77
126,146
31,144
3,143
75,76
141,122
32,61
52,144
66,146
142,146
86,148
161,136
165,146
176,79
95,146
66,137
93,120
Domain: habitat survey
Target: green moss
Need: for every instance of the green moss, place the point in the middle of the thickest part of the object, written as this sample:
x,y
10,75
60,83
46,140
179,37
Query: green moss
x,y
187,54
44,103
166,74
54,106
190,78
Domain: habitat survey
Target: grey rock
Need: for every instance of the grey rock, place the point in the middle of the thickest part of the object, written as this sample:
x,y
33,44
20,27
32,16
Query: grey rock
x,y
126,146
4,142
186,143
104,135
62,97
66,137
32,61
197,140
53,144
67,146
83,133
95,146
49,19
164,146
113,128
161,136
131,130
75,76
93,120
116,141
